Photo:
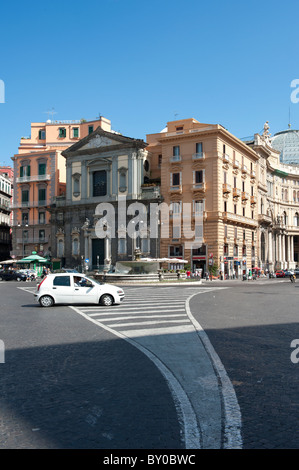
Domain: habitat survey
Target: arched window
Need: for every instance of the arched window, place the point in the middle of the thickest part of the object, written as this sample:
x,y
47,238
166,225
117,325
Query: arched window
x,y
60,248
296,220
75,248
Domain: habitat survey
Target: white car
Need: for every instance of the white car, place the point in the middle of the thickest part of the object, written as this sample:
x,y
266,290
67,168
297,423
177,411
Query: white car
x,y
76,288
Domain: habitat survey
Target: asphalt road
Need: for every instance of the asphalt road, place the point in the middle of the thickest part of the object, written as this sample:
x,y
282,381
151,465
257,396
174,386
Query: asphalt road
x,y
251,326
69,383
66,384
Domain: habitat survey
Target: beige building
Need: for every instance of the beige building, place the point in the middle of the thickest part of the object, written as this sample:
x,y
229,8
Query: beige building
x,y
206,168
278,207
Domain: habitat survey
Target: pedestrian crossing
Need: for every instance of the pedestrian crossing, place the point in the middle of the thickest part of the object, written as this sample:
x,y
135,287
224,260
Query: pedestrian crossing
x,y
147,310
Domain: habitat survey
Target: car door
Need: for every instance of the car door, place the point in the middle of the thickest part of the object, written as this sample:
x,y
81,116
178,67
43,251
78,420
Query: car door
x,y
62,289
84,291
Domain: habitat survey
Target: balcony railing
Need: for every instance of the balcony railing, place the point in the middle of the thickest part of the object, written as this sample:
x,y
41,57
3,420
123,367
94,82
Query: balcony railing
x,y
226,188
176,188
225,158
236,192
199,186
236,164
244,169
245,196
28,179
252,200
198,156
150,192
175,158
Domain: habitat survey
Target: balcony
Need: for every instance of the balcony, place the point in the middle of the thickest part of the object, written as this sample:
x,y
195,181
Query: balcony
x,y
264,219
198,156
236,192
244,169
252,200
236,164
239,219
150,192
225,158
175,158
245,196
226,188
28,179
37,240
176,189
252,174
199,187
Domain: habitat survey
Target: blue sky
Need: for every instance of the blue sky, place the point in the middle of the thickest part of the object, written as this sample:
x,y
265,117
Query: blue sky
x,y
143,63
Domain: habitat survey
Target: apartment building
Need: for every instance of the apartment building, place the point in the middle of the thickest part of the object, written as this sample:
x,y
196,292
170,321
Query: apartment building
x,y
39,177
277,205
206,170
5,211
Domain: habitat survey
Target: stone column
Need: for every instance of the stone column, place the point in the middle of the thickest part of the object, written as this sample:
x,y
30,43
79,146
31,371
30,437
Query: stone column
x,y
270,248
279,249
283,250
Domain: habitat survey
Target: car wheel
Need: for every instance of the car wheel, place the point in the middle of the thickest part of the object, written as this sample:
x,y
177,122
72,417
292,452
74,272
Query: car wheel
x,y
46,301
106,300
19,279
1,278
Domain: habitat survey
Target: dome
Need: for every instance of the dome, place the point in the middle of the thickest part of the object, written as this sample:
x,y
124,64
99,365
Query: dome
x,y
287,143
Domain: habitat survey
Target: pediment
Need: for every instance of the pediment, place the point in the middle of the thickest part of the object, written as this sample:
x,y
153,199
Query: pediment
x,y
99,141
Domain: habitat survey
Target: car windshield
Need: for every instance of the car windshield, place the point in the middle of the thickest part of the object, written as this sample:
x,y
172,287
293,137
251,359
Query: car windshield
x,y
93,280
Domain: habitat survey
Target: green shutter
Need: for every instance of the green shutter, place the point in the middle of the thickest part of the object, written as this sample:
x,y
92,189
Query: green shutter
x,y
21,172
28,170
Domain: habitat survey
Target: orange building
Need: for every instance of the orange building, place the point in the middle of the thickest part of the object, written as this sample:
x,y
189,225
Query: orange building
x,y
39,177
207,171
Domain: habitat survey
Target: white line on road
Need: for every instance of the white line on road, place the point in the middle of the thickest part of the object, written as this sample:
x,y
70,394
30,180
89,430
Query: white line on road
x,y
186,415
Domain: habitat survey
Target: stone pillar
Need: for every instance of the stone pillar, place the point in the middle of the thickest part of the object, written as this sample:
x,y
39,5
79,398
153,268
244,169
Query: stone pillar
x,y
270,249
283,250
279,250
288,250
83,180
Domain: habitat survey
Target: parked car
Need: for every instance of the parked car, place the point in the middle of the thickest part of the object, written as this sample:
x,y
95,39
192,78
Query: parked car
x,y
75,288
12,276
30,273
296,272
280,274
288,272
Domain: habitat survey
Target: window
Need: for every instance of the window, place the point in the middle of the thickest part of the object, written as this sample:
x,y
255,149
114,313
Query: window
x,y
62,281
25,197
90,130
225,206
145,245
198,206
24,170
41,235
75,131
41,169
236,250
176,179
42,134
296,219
99,183
75,247
25,236
62,132
122,246
176,151
159,161
25,218
76,185
235,208
243,211
60,247
198,176
41,218
198,148
176,250
41,196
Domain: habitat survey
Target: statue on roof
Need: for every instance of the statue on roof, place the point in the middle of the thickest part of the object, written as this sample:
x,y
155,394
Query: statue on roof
x,y
266,134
